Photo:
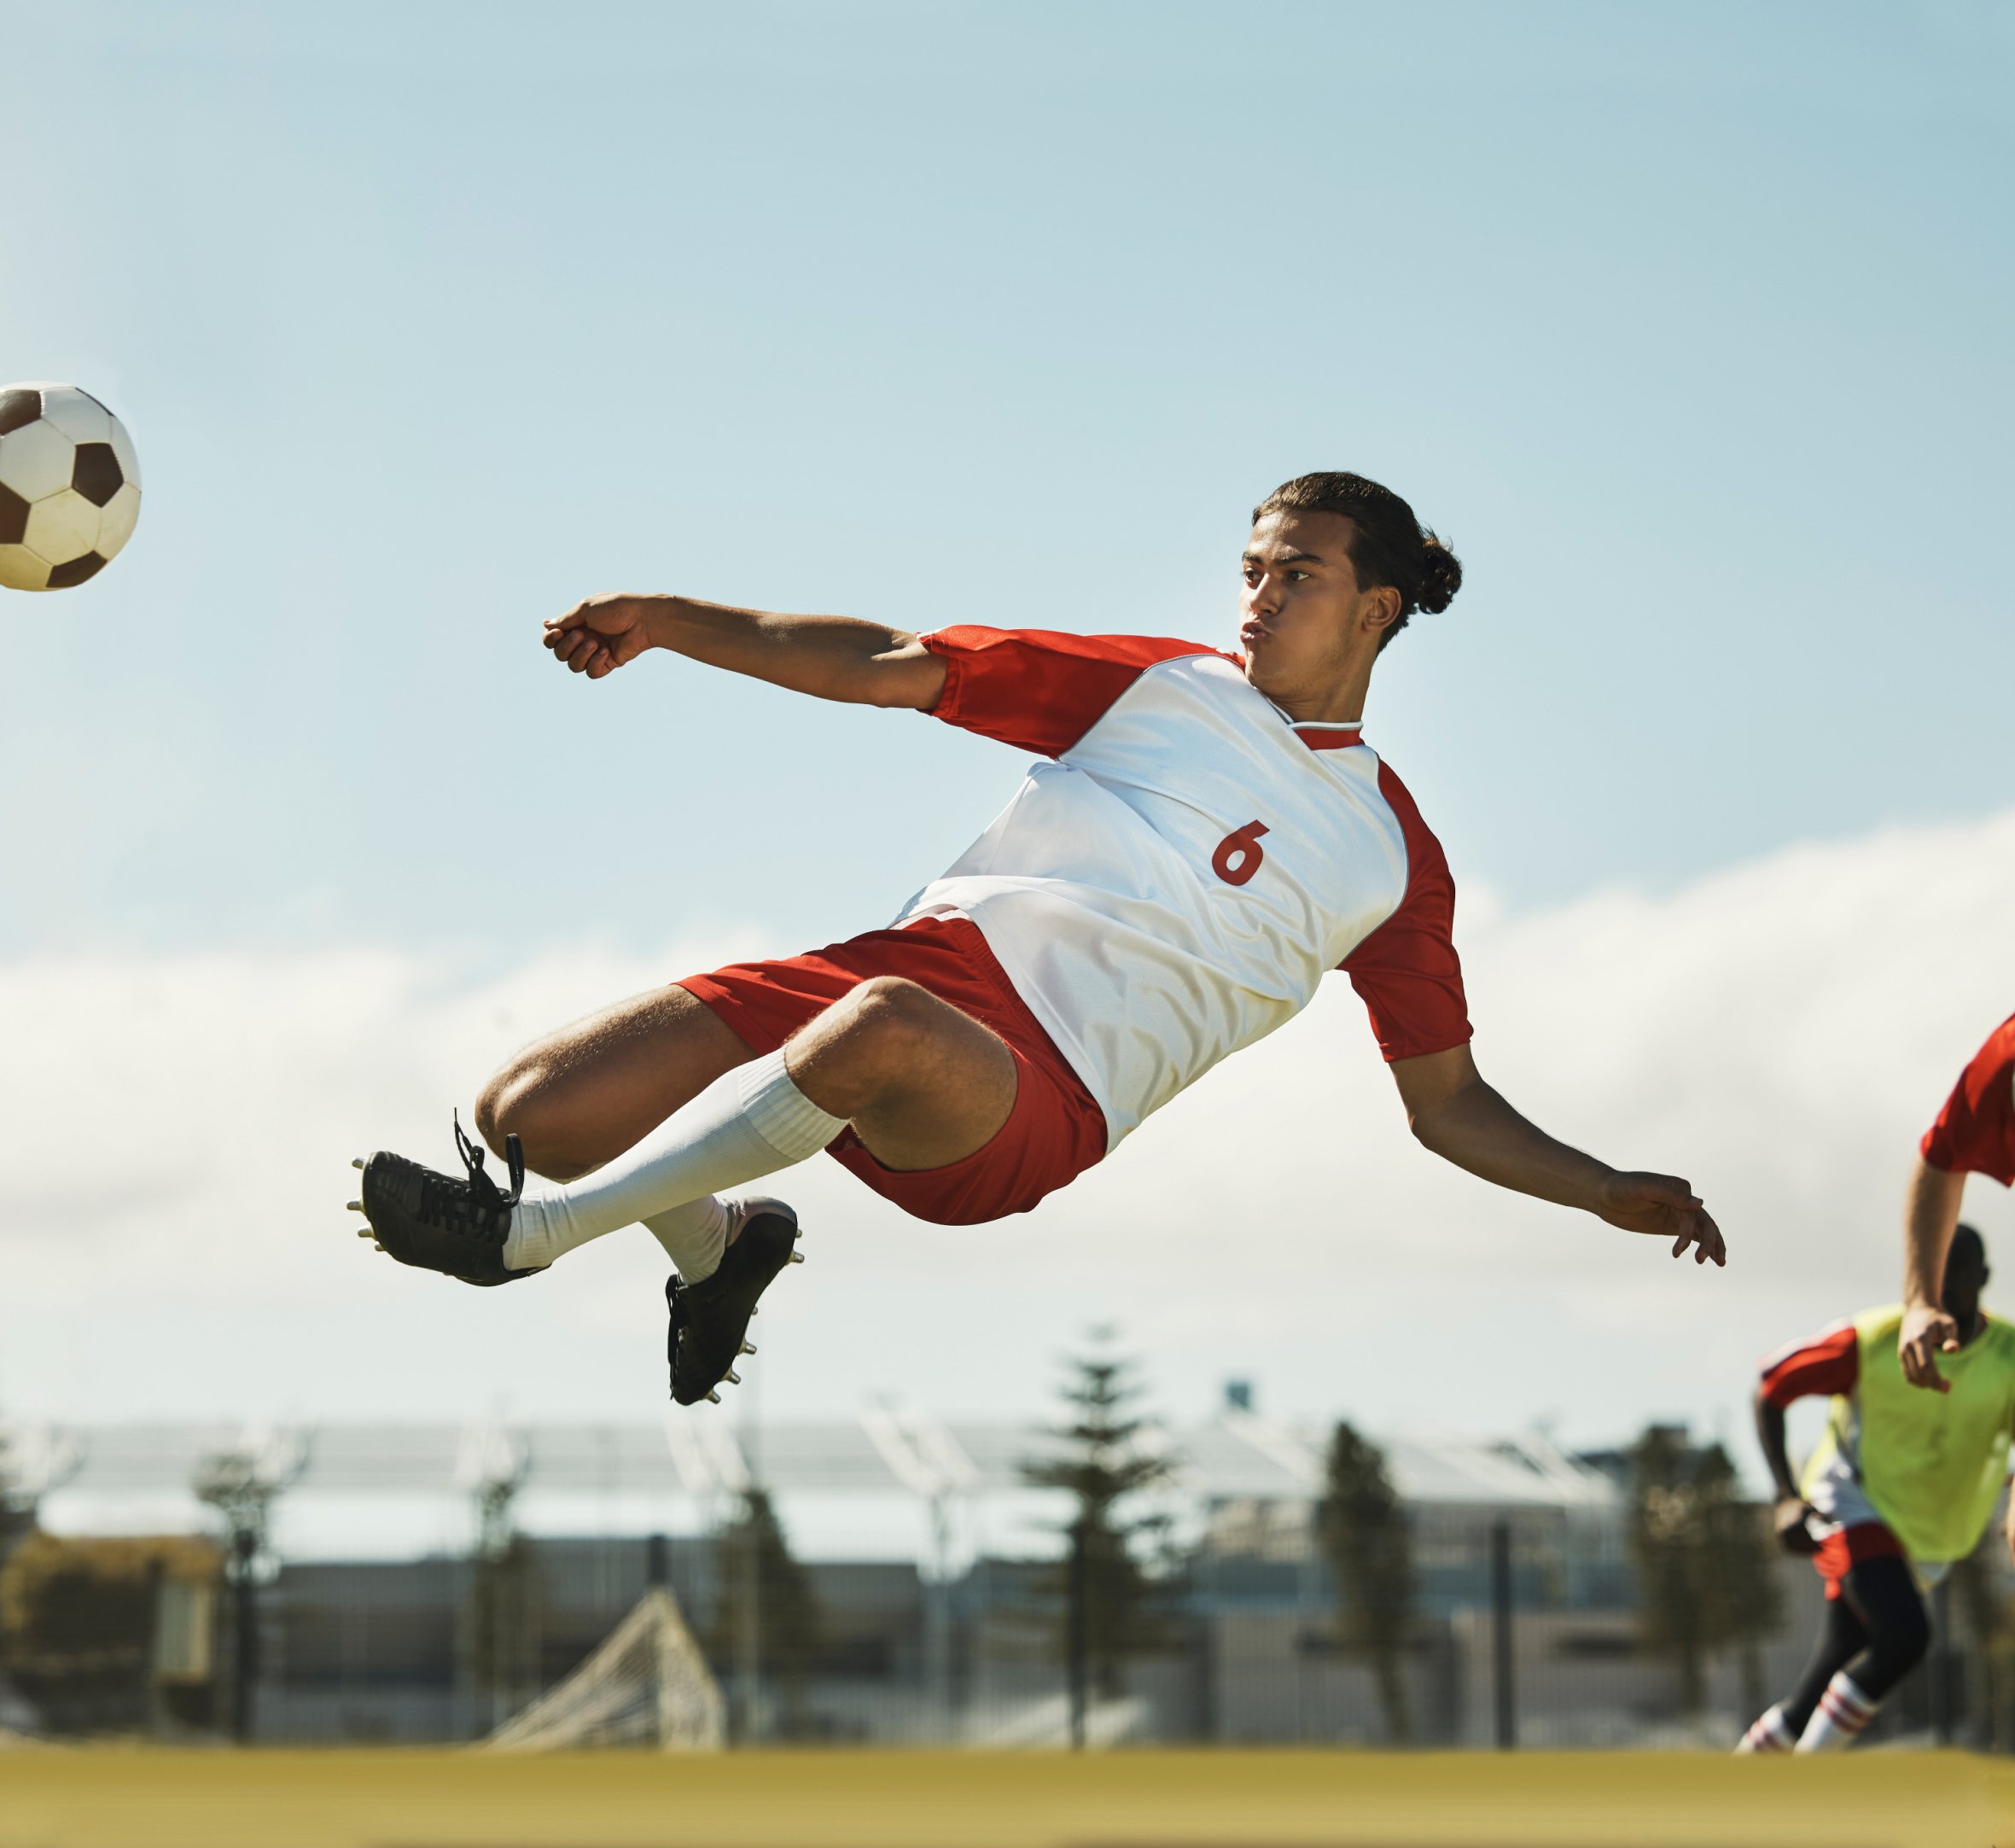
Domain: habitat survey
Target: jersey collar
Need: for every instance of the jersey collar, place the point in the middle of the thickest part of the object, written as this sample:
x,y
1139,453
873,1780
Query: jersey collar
x,y
1319,735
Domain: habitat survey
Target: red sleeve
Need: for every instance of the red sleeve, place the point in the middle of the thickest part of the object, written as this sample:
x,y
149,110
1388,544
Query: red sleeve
x,y
1975,1133
1041,690
1406,972
1829,1363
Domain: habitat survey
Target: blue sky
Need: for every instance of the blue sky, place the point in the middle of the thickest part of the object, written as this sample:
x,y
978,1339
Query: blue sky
x,y
1686,325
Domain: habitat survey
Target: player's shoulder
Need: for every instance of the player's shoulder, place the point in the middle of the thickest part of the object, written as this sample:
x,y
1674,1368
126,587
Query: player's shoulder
x,y
1878,1324
1998,1051
1998,1336
1136,651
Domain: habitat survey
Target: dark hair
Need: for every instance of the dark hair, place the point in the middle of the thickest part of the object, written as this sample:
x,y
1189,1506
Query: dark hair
x,y
1388,545
1965,1239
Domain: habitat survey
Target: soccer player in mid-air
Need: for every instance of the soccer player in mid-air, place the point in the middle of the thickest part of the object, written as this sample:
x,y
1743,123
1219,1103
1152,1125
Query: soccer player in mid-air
x,y
1902,1483
1206,835
1975,1134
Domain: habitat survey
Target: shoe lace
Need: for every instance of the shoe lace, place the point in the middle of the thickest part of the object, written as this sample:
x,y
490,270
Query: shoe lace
x,y
473,1205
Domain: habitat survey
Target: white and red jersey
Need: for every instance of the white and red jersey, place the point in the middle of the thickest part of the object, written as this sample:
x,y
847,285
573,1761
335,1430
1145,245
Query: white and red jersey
x,y
1175,880
1975,1133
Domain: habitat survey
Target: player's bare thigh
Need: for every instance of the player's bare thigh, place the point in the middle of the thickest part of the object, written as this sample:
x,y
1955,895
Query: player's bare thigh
x,y
579,1097
923,1084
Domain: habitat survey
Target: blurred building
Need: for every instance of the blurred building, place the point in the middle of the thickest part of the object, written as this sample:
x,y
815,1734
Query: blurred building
x,y
927,1558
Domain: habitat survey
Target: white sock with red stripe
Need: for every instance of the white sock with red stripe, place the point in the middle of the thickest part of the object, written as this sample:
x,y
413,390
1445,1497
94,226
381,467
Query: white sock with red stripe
x,y
1769,1733
1836,1721
749,1122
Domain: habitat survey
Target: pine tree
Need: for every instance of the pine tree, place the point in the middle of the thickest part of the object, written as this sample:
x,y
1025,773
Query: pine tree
x,y
1705,1570
1369,1543
1105,1458
766,1597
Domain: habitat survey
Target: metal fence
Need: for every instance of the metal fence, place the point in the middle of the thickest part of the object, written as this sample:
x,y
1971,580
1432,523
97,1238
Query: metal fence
x,y
1523,1629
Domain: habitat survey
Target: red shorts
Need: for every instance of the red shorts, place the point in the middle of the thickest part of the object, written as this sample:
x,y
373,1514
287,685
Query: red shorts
x,y
1055,1129
1840,1552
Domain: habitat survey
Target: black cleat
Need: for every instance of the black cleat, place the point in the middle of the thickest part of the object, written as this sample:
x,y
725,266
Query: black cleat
x,y
440,1223
710,1319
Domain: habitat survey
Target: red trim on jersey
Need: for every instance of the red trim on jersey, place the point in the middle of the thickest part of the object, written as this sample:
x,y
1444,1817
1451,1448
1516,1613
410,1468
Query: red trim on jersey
x,y
1840,1552
1330,738
1406,972
1975,1133
1041,690
1829,1364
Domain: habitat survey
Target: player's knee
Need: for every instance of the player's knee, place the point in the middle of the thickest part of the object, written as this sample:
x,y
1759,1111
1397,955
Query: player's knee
x,y
1906,1642
899,1015
507,1105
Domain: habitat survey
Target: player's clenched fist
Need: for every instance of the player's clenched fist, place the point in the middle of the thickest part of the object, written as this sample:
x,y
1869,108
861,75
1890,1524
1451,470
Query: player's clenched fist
x,y
1791,1519
599,635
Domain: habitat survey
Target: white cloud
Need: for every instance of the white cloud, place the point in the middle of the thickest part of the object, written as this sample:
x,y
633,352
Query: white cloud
x,y
173,1235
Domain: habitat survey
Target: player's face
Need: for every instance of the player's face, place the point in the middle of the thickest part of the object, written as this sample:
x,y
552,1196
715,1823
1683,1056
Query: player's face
x,y
1303,620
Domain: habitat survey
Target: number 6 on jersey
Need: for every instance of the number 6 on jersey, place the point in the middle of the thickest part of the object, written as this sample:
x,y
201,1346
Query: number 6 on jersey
x,y
1239,853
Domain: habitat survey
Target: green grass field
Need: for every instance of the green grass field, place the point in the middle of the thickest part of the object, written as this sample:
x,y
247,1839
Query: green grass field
x,y
108,1797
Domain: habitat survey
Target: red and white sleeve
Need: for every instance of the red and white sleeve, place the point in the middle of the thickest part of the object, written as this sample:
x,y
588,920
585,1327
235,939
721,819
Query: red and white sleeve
x,y
1041,690
1406,972
1975,1133
1828,1364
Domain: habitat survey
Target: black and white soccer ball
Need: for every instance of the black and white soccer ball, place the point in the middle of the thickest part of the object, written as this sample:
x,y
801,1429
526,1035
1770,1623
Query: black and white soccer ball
x,y
69,486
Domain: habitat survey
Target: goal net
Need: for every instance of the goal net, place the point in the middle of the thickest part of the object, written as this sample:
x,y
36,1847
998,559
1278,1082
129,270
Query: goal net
x,y
647,1685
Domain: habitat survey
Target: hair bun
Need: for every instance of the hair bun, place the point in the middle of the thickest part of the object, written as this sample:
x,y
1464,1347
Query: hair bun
x,y
1440,575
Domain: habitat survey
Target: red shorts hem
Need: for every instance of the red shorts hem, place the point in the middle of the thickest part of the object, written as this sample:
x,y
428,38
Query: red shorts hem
x,y
1055,1129
1840,1552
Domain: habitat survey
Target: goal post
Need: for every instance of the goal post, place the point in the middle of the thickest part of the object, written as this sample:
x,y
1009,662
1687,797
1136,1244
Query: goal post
x,y
648,1685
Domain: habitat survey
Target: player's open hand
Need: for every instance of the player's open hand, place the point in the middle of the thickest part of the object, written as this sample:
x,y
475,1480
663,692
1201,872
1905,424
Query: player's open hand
x,y
597,637
1927,1333
1792,1518
1662,1206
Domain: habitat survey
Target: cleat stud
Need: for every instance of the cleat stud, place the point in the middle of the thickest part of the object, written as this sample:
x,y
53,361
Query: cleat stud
x,y
364,1232
797,1257
355,1206
755,1311
714,1398
747,1348
732,1378
357,1161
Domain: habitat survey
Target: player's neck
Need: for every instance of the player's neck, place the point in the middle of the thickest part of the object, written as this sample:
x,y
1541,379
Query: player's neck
x,y
1337,700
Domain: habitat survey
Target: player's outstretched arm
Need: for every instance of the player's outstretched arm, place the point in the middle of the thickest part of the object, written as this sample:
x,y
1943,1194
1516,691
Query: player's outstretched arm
x,y
1463,1120
830,657
1928,1216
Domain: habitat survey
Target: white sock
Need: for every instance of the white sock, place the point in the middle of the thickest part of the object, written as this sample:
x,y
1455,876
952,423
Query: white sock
x,y
694,1235
1769,1734
1836,1721
749,1122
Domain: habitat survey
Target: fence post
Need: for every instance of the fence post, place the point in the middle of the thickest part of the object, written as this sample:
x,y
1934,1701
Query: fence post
x,y
1942,1660
1504,1687
1077,1641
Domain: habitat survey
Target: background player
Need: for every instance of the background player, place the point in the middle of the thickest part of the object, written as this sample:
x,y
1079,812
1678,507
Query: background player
x,y
1975,1134
1902,1483
1208,835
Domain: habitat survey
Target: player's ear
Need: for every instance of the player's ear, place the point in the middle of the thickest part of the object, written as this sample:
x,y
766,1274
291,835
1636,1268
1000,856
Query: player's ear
x,y
1382,605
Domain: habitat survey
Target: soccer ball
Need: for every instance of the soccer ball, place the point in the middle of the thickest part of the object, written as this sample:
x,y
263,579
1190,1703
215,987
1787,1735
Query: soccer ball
x,y
69,486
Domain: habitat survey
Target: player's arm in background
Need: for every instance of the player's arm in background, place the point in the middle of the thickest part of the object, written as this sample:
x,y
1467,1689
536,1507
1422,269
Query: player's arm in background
x,y
1462,1119
1929,1214
1827,1364
829,657
1974,1133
